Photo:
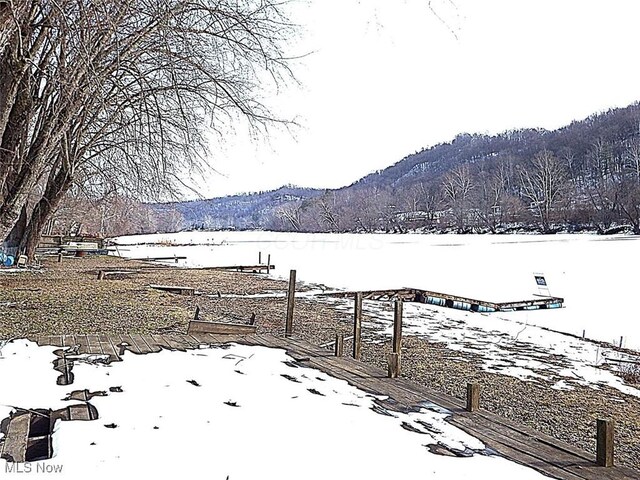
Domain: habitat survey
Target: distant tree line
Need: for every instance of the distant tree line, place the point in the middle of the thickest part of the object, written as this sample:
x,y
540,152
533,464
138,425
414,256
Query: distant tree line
x,y
585,176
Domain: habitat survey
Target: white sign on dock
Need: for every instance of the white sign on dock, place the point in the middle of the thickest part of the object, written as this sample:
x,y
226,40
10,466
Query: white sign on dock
x,y
541,282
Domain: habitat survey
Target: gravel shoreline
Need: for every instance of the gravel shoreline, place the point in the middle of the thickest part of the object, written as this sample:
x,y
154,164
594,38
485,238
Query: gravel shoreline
x,y
66,298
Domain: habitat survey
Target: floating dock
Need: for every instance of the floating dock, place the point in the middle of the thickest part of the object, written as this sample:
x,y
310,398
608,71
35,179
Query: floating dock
x,y
453,301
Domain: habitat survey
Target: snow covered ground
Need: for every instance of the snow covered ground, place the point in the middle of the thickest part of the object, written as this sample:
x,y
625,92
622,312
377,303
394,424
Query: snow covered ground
x,y
510,347
596,275
232,413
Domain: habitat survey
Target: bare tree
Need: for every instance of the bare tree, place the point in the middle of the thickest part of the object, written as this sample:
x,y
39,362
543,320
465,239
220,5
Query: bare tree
x,y
290,217
543,183
457,186
118,95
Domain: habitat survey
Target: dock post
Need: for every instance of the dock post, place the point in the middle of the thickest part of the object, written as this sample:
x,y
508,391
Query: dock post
x,y
357,326
59,258
101,275
473,397
268,263
288,329
395,357
604,451
394,365
259,258
196,315
339,345
397,327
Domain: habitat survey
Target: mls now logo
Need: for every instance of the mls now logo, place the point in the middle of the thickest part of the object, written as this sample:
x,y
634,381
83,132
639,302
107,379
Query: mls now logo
x,y
28,467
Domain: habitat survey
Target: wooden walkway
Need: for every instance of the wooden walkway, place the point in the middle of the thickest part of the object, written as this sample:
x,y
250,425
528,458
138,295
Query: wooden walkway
x,y
514,442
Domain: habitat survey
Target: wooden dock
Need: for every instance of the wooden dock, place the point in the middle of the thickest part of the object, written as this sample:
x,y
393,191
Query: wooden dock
x,y
517,443
452,301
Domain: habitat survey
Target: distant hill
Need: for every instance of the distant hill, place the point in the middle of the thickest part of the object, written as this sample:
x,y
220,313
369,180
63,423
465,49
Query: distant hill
x,y
242,212
473,183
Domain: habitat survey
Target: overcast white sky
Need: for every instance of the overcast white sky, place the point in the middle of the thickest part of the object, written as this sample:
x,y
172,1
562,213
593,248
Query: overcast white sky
x,y
388,78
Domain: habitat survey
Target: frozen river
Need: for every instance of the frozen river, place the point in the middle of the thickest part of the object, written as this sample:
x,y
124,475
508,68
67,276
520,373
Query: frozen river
x,y
596,275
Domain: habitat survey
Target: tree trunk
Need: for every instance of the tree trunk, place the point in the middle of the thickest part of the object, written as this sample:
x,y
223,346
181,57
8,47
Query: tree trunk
x,y
41,150
14,139
15,236
15,34
57,186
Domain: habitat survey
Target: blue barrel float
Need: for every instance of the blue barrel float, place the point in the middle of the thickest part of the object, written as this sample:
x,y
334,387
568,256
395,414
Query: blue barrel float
x,y
8,260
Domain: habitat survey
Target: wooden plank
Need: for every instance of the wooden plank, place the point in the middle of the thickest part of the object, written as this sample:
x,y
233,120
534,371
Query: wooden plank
x,y
302,348
174,289
145,340
298,350
244,268
445,401
108,348
220,328
194,341
80,411
220,339
17,437
83,343
132,346
94,345
138,345
160,341
153,259
54,340
267,340
116,341
174,342
179,341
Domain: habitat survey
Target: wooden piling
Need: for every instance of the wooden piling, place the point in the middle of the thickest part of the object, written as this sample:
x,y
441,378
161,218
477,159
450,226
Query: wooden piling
x,y
357,326
394,365
196,315
288,330
101,275
397,327
473,397
268,264
339,345
59,258
604,449
259,258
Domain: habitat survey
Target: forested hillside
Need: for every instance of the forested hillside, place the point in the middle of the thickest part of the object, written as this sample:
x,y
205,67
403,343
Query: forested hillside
x,y
585,176
243,212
